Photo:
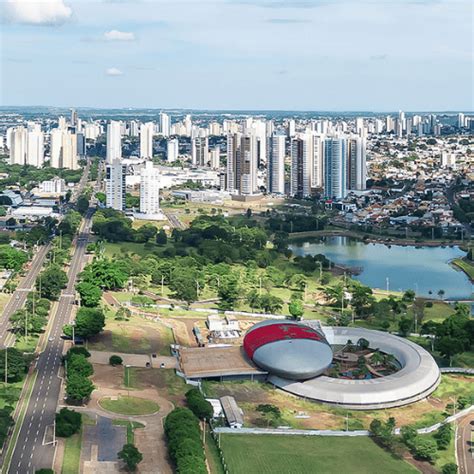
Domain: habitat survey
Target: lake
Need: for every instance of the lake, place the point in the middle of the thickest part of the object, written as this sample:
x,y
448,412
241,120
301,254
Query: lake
x,y
422,269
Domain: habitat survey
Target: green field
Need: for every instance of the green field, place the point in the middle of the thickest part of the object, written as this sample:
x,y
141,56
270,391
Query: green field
x,y
72,454
129,405
311,454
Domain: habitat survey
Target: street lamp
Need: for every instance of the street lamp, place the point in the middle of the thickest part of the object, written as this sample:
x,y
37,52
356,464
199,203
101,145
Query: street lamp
x,y
127,378
73,325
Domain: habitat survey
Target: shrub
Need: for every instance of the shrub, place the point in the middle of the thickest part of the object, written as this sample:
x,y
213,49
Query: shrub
x,y
443,436
198,404
115,360
184,441
68,422
450,468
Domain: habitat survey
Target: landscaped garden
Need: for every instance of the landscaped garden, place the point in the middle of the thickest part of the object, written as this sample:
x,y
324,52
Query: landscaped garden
x,y
128,405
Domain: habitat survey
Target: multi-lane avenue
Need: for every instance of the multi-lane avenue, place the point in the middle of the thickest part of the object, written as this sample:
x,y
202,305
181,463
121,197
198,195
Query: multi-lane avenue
x,y
33,448
18,298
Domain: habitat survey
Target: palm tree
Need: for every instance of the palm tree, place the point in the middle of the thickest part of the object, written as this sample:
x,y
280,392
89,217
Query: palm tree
x,y
441,294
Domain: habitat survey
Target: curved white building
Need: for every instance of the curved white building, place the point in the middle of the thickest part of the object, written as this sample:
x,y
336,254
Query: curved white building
x,y
418,377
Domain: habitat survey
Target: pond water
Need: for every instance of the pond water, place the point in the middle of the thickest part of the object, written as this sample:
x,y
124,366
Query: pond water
x,y
424,269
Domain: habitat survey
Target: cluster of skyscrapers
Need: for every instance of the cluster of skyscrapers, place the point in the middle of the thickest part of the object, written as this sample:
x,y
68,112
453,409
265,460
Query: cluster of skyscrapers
x,y
66,144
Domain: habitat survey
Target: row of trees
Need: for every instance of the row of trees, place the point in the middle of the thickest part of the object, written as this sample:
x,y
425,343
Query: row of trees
x,y
198,404
78,370
184,442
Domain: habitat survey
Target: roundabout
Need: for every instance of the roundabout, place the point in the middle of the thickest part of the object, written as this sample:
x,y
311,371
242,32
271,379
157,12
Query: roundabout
x,y
418,376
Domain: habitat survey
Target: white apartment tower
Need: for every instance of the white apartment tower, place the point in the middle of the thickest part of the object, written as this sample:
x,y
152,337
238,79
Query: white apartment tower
x,y
215,158
276,164
18,146
63,149
146,140
301,165
35,148
172,150
115,187
164,124
114,141
149,190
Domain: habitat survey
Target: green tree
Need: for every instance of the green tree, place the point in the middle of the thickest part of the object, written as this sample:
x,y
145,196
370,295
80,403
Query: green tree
x,y
425,448
161,238
115,360
198,404
131,456
296,308
90,293
228,291
17,364
405,325
89,322
78,389
82,204
78,364
449,468
51,281
68,422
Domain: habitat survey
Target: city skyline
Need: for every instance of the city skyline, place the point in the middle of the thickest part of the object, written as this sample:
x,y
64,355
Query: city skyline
x,y
307,55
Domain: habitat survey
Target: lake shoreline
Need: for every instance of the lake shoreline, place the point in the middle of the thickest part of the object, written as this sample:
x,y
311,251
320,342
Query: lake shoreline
x,y
294,236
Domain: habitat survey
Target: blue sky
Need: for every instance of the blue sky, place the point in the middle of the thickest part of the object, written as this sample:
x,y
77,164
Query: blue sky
x,y
238,54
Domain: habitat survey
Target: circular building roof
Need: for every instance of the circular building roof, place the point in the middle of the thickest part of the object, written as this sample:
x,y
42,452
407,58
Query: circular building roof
x,y
288,349
418,377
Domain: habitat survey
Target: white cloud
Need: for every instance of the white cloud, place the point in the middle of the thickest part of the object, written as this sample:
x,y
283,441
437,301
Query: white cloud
x,y
37,12
113,71
115,35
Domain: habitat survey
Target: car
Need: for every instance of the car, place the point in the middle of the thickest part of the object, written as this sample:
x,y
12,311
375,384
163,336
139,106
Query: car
x,y
162,365
50,338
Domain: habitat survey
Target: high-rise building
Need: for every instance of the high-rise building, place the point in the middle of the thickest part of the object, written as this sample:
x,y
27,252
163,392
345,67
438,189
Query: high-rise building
x,y
149,189
62,124
276,164
335,168
188,125
216,158
242,163
301,164
69,151
91,131
200,151
215,128
134,128
115,188
146,140
164,124
291,128
81,145
389,124
63,149
18,146
114,141
172,150
461,121
74,118
35,148
356,163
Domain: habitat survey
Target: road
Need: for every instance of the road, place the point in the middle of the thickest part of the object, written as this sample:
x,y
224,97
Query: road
x,y
174,221
18,297
31,453
465,444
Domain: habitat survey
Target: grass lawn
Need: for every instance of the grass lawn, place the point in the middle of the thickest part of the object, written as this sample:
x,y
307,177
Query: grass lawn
x,y
27,345
112,249
465,266
298,454
212,454
72,454
446,456
129,405
438,312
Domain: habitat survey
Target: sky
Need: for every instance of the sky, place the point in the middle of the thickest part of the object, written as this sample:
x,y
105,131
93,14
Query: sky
x,y
332,55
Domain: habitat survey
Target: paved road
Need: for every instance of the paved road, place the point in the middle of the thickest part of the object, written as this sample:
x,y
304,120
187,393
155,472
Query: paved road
x,y
465,445
18,298
174,221
30,451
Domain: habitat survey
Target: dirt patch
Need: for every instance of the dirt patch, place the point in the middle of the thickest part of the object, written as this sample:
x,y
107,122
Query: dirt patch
x,y
107,376
136,336
165,381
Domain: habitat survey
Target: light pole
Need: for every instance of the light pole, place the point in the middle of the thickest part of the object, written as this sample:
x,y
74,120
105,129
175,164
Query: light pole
x,y
73,325
6,365
127,379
